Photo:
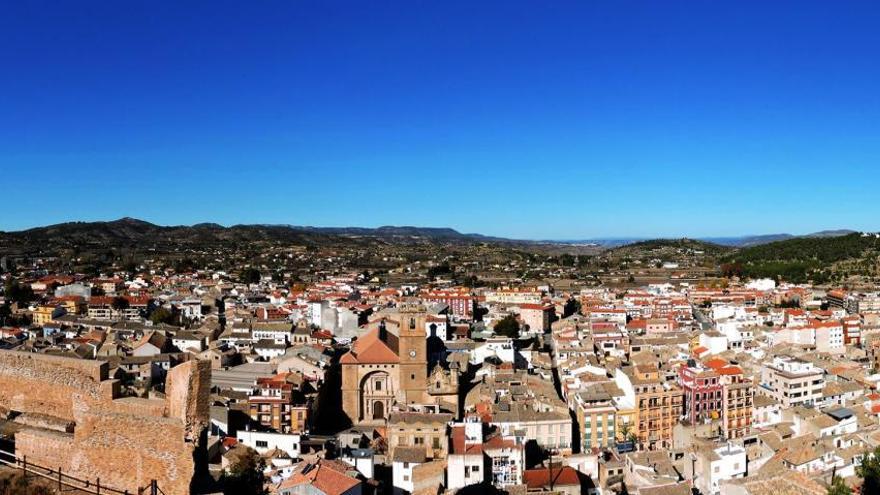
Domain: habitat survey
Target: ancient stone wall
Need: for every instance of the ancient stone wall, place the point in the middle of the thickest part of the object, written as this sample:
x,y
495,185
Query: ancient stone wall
x,y
52,385
126,442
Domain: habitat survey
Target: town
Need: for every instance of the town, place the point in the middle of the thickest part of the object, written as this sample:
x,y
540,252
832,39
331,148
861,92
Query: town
x,y
439,368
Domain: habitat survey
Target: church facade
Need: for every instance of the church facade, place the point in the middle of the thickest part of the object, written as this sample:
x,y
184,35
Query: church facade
x,y
385,371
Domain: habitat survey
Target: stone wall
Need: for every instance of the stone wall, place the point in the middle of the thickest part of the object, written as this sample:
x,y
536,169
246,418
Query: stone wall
x,y
126,442
52,385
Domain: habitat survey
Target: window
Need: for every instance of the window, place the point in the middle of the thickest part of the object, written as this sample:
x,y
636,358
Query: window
x,y
419,441
262,444
378,385
436,442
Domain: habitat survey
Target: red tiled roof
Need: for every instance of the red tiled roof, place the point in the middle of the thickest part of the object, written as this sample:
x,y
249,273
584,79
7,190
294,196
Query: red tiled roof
x,y
715,363
322,477
371,349
730,370
539,478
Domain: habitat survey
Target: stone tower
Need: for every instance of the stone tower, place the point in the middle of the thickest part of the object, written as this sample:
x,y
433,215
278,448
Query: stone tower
x,y
413,353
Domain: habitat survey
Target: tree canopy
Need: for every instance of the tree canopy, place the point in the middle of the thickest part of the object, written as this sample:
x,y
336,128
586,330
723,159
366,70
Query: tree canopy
x,y
245,476
507,326
250,275
869,471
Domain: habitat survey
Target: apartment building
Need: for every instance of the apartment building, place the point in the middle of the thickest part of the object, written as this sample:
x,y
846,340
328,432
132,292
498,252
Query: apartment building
x,y
596,417
460,301
701,392
738,400
717,392
658,404
792,381
272,405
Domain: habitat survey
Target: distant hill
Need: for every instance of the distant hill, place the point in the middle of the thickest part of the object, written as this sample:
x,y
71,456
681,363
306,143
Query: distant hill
x,y
133,232
641,248
831,233
749,240
757,240
820,257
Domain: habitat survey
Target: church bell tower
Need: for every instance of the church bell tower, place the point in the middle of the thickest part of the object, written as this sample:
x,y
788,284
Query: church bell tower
x,y
413,353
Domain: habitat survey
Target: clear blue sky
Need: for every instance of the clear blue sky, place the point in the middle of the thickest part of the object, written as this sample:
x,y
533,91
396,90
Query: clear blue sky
x,y
523,119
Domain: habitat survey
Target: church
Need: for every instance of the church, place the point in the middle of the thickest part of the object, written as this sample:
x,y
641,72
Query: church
x,y
385,372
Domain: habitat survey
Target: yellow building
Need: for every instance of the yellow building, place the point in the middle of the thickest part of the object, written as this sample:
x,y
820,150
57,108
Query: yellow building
x,y
626,426
43,314
658,407
74,305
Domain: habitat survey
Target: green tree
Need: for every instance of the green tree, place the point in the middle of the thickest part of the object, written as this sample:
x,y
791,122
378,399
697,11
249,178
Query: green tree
x,y
839,487
869,471
119,305
15,292
162,315
508,327
185,265
572,306
5,312
250,275
245,475
441,269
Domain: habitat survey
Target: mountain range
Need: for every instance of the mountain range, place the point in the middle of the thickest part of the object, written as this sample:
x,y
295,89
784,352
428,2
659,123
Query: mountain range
x,y
735,241
131,231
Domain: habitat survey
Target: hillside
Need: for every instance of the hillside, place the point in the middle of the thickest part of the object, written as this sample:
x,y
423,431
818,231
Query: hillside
x,y
131,232
820,258
661,246
748,241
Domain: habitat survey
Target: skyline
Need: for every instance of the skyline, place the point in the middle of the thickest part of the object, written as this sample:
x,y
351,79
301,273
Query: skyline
x,y
554,240
572,122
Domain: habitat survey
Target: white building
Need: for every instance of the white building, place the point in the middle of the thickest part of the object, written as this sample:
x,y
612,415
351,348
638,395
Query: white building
x,y
263,442
280,333
404,459
362,459
466,463
502,348
714,466
792,381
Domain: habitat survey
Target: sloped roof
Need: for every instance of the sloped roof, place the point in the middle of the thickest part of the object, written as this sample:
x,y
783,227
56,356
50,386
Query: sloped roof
x,y
323,478
370,349
538,478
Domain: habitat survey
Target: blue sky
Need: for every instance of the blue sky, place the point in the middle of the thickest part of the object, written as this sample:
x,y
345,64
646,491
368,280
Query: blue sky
x,y
522,119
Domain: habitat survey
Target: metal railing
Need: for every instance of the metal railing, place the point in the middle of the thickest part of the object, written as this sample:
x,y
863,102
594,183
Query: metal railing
x,y
66,481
